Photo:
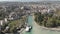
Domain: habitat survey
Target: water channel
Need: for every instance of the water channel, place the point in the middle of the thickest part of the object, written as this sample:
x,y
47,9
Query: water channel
x,y
37,29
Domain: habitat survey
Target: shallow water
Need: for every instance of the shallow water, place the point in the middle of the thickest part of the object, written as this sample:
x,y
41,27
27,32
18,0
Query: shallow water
x,y
37,29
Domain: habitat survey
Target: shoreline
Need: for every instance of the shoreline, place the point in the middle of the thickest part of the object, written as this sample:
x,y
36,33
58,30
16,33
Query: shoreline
x,y
45,28
51,29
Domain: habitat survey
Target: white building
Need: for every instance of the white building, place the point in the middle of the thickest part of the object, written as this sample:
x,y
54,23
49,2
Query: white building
x,y
44,11
7,27
50,11
6,20
10,18
1,22
22,8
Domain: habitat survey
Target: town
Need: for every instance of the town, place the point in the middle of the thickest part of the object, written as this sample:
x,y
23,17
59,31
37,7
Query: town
x,y
13,15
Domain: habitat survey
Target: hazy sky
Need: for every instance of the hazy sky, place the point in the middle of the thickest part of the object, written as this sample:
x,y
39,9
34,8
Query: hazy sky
x,y
29,0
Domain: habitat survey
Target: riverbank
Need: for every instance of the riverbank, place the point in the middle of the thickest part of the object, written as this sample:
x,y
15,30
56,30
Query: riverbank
x,y
45,28
37,29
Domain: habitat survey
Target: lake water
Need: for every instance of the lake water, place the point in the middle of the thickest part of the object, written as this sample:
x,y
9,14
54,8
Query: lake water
x,y
37,29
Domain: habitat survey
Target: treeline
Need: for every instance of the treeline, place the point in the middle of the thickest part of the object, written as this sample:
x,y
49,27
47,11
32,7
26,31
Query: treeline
x,y
47,19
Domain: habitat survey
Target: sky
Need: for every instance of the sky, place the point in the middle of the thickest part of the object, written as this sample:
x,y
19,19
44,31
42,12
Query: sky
x,y
29,0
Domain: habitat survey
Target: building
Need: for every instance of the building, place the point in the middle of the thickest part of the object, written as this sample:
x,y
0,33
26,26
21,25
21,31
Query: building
x,y
1,22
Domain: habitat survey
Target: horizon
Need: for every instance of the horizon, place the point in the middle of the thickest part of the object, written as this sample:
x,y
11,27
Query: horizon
x,y
26,0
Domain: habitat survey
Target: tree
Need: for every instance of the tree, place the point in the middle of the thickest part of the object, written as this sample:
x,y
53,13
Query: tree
x,y
47,20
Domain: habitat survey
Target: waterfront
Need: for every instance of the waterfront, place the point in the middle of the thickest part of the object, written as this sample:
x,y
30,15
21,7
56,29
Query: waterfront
x,y
36,29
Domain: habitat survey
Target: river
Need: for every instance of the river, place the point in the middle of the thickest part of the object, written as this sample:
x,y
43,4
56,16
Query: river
x,y
36,29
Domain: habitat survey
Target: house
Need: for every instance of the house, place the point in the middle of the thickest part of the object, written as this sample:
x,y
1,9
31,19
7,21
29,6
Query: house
x,y
50,11
44,11
6,20
10,18
13,16
22,8
1,22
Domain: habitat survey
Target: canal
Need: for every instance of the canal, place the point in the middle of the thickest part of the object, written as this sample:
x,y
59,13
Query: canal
x,y
36,29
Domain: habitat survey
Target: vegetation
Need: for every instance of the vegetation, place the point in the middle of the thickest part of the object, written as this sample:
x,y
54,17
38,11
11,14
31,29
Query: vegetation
x,y
2,15
13,25
47,19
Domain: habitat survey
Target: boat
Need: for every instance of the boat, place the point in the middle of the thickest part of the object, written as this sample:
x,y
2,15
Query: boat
x,y
28,28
